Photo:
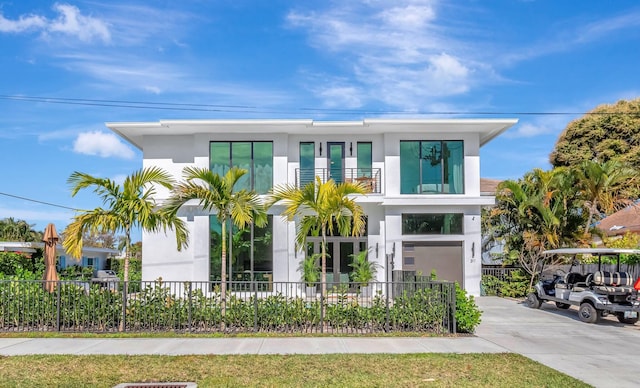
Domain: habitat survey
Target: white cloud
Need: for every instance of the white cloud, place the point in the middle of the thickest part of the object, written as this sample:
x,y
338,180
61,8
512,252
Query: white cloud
x,y
401,51
70,21
24,23
102,144
346,97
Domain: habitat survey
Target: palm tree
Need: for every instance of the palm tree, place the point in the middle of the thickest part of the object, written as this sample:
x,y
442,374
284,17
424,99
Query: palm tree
x,y
321,208
603,187
18,230
128,206
216,193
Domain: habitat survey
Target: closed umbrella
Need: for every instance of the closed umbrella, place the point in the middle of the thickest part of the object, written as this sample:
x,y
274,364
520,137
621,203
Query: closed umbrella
x,y
50,239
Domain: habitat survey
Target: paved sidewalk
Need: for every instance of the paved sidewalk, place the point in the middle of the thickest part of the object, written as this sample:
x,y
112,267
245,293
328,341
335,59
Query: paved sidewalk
x,y
602,355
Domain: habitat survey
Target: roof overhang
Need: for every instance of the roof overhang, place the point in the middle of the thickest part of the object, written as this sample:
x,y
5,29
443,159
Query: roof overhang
x,y
134,132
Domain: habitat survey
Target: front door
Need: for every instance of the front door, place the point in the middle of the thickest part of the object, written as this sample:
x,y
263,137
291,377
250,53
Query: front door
x,y
335,158
340,251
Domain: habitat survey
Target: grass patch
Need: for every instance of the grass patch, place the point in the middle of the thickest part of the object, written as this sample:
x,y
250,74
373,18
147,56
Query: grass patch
x,y
340,370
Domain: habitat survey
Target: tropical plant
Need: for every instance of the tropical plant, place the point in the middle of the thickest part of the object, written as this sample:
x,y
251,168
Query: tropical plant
x,y
18,230
322,208
217,193
310,269
537,212
364,271
605,187
128,206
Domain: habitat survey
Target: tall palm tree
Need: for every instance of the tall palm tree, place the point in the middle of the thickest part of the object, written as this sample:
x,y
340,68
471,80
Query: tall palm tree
x,y
603,187
128,206
322,207
216,193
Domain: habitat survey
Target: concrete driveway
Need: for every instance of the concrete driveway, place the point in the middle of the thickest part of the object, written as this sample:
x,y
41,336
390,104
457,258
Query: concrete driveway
x,y
603,354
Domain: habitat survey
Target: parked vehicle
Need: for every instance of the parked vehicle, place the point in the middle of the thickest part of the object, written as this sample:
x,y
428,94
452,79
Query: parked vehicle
x,y
596,294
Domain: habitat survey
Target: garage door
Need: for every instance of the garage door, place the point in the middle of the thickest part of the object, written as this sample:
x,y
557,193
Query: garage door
x,y
443,257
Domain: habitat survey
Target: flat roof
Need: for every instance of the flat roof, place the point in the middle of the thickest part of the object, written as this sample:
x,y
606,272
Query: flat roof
x,y
134,132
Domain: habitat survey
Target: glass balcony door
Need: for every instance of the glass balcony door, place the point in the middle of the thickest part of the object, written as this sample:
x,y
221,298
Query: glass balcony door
x,y
335,159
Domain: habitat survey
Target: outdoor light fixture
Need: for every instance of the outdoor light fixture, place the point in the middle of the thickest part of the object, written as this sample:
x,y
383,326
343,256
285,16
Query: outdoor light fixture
x,y
320,148
376,250
473,249
351,149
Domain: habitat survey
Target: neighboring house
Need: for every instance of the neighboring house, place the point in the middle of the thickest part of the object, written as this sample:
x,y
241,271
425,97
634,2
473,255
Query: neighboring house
x,y
91,256
621,222
423,212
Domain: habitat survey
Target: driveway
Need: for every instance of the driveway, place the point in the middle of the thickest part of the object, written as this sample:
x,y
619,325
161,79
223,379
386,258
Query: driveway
x,y
603,354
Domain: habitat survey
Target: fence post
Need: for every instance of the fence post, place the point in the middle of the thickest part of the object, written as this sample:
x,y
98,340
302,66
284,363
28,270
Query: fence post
x,y
123,322
255,303
387,315
453,307
322,287
189,314
58,302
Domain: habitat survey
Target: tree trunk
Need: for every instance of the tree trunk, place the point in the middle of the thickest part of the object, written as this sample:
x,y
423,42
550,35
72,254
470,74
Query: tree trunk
x,y
223,273
324,262
127,250
592,210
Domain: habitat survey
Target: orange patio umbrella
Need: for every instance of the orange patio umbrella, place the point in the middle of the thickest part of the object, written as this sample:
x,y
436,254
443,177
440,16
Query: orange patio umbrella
x,y
50,239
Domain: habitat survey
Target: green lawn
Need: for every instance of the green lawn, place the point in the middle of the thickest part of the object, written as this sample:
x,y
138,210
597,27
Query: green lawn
x,y
338,370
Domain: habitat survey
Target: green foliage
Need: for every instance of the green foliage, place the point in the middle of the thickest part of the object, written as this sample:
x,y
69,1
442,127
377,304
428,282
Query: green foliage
x,y
188,306
76,272
127,206
18,230
363,270
310,269
11,263
517,285
608,132
467,312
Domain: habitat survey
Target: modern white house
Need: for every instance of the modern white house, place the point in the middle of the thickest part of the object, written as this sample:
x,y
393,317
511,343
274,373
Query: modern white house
x,y
423,212
94,257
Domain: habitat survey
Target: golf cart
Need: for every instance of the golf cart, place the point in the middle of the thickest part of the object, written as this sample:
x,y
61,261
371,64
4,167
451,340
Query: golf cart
x,y
597,293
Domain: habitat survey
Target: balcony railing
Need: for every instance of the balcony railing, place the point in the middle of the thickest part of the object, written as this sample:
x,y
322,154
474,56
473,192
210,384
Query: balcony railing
x,y
370,178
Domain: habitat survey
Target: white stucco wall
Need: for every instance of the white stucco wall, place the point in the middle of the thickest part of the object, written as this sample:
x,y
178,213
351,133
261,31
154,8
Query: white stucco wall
x,y
384,210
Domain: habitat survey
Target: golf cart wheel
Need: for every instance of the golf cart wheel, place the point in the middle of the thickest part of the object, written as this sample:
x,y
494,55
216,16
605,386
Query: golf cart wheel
x,y
587,313
533,301
622,319
563,306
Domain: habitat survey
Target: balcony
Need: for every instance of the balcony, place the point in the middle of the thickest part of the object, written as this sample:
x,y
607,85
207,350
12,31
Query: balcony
x,y
369,178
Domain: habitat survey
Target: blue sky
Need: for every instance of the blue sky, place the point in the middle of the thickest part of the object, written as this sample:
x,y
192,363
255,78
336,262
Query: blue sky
x,y
324,60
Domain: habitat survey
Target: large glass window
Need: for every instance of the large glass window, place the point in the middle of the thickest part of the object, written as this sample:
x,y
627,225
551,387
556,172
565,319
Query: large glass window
x,y
307,163
432,223
255,157
431,167
364,160
251,243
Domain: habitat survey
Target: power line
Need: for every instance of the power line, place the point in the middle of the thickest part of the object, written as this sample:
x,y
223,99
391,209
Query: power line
x,y
254,109
41,202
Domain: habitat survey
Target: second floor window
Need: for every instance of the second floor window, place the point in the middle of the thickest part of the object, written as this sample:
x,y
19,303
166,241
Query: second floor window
x,y
431,167
256,157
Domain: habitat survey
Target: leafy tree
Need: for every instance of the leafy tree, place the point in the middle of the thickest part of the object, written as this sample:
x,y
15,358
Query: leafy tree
x,y
607,132
18,230
217,193
128,206
537,212
321,208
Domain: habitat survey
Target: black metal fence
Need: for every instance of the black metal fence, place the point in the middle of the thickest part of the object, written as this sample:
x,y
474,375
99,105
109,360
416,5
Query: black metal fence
x,y
197,307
